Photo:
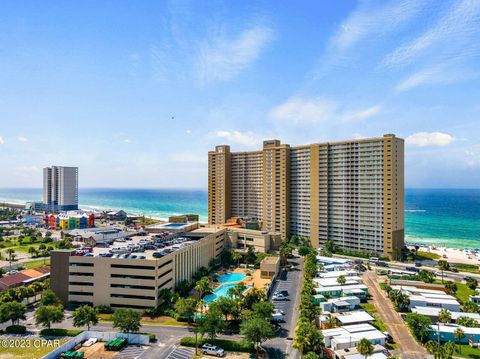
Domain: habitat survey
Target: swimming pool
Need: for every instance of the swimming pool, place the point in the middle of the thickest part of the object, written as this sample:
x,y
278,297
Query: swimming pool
x,y
221,291
231,277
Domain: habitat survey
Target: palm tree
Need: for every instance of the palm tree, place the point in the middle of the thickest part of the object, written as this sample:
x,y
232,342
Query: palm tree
x,y
443,266
459,334
365,347
236,257
444,316
331,322
432,347
202,287
341,280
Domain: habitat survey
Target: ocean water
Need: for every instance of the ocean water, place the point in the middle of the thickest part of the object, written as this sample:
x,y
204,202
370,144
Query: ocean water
x,y
441,217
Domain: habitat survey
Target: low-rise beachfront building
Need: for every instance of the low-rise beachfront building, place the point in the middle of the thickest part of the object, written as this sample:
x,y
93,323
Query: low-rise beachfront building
x,y
338,273
379,352
357,290
447,334
420,297
70,221
269,267
349,335
475,298
338,305
433,313
354,317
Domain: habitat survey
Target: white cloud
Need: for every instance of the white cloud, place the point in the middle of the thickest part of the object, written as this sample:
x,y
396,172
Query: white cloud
x,y
242,138
362,115
424,139
188,131
22,139
127,140
472,158
220,58
188,158
1,140
370,21
453,36
26,171
303,110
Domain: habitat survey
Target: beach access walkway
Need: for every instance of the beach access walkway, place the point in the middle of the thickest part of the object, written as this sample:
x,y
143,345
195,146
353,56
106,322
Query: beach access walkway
x,y
408,347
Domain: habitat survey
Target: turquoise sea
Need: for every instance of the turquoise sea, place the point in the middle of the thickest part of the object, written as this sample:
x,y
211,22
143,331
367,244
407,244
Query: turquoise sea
x,y
441,217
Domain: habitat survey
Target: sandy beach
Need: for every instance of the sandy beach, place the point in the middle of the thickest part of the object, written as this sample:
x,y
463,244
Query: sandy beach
x,y
453,255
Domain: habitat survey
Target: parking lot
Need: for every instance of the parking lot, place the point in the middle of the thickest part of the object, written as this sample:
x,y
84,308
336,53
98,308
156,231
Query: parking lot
x,y
181,353
289,281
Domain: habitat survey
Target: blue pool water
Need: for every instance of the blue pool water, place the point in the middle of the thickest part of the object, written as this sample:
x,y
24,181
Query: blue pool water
x,y
231,277
221,291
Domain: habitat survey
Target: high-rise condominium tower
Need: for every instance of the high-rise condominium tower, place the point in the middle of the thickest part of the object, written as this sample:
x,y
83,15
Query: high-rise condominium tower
x,y
60,188
351,192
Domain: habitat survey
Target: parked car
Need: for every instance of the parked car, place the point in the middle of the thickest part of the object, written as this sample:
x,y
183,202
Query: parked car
x,y
418,264
279,297
282,292
211,349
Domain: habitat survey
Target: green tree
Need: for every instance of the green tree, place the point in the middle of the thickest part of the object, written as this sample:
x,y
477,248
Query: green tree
x,y
307,337
49,298
237,291
13,311
471,307
329,246
236,257
45,315
426,276
127,320
32,251
444,316
211,323
443,266
85,316
186,307
263,310
227,306
459,334
451,287
311,355
467,322
202,287
341,280
365,347
250,256
419,325
472,283
331,322
433,348
256,330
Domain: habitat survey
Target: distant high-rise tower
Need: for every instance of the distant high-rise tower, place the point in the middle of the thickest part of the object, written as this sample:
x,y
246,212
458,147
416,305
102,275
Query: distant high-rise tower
x,y
350,192
60,188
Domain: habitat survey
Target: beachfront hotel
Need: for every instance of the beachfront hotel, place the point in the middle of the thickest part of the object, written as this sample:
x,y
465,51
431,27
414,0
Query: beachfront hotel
x,y
60,188
351,192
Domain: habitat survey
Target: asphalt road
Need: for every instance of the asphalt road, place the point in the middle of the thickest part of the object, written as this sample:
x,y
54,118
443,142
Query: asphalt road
x,y
407,345
281,346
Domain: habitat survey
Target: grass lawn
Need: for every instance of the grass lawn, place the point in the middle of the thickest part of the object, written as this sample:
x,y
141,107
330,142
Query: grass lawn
x,y
463,292
35,350
36,263
426,256
372,310
162,320
467,351
467,268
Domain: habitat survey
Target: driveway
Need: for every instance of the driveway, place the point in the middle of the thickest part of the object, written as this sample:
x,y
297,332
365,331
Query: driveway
x,y
408,347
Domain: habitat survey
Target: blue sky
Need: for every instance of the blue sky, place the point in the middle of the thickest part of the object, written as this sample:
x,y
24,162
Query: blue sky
x,y
136,92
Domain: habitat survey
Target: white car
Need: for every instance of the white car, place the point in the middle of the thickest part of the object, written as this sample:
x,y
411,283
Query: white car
x,y
278,317
279,297
211,349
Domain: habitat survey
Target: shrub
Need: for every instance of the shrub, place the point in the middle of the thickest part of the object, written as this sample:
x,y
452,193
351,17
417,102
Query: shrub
x,y
105,309
16,329
151,337
59,332
228,345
